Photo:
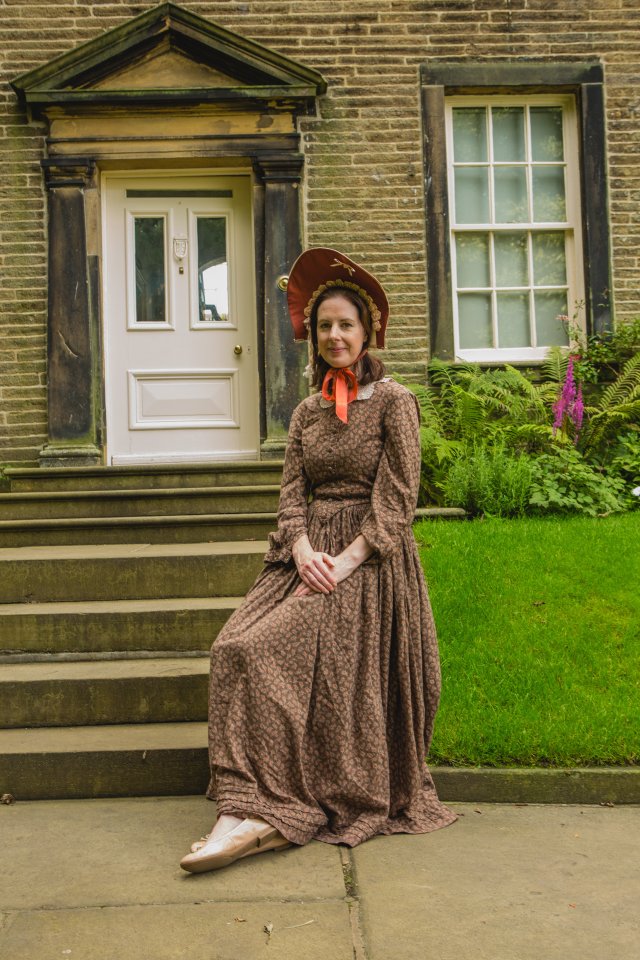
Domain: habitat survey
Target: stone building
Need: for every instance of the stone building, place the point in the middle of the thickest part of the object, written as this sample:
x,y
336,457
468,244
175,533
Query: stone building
x,y
163,165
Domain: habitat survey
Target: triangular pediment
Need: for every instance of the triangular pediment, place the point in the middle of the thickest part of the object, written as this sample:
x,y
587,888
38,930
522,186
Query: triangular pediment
x,y
170,70
164,55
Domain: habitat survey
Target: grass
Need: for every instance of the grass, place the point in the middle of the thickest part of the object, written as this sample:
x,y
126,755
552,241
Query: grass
x,y
539,629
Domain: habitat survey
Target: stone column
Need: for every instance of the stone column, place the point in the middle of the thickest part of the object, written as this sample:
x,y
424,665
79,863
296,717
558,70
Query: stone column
x,y
284,360
72,404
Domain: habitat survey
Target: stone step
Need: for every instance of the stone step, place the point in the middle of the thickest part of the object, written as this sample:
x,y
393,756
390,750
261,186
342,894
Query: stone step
x,y
137,760
227,474
176,529
128,571
113,626
190,528
172,501
65,694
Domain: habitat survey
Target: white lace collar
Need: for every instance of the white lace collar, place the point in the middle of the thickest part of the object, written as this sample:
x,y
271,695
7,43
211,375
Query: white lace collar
x,y
364,392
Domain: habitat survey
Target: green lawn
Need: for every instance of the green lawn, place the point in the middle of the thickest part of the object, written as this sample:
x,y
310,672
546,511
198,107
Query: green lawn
x,y
539,629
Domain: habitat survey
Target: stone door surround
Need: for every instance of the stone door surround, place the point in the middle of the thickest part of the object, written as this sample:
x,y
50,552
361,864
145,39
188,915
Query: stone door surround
x,y
167,90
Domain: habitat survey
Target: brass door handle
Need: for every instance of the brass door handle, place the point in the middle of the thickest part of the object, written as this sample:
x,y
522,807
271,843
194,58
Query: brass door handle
x,y
237,349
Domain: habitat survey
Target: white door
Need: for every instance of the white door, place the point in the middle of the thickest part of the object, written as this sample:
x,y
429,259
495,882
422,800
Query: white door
x,y
180,328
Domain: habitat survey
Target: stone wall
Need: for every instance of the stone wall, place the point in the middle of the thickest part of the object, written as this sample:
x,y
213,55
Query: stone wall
x,y
364,190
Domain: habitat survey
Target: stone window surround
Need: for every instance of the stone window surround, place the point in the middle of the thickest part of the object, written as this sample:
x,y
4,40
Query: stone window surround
x,y
585,81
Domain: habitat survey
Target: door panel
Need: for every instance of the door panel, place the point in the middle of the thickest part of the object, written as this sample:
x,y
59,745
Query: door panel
x,y
180,328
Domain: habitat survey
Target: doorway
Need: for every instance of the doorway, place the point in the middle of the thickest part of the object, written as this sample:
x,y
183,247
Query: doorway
x,y
180,332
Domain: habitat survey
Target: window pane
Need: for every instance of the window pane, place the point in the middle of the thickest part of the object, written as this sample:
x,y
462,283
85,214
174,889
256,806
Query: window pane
x,y
511,195
512,269
472,195
508,133
472,259
549,330
474,314
213,289
549,259
513,320
150,269
469,134
546,133
548,195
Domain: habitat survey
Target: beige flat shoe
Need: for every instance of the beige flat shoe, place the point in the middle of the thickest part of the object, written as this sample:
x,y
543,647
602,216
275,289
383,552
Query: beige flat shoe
x,y
199,844
248,838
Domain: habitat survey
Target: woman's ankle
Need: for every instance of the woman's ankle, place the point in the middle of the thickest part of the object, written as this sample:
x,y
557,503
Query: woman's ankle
x,y
225,823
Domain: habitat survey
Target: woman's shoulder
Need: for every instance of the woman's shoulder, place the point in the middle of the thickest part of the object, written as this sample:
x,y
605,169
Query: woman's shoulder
x,y
306,407
392,390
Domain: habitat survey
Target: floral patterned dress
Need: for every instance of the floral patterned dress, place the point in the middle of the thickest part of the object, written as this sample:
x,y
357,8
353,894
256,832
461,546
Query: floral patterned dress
x,y
321,708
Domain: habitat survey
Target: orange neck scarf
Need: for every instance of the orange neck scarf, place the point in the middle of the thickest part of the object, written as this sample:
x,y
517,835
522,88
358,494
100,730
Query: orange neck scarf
x,y
340,386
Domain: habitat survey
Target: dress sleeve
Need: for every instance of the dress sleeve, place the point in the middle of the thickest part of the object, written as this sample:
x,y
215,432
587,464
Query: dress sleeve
x,y
294,495
395,489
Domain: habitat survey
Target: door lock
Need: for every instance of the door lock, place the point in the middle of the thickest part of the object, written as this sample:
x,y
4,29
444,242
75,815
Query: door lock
x,y
237,349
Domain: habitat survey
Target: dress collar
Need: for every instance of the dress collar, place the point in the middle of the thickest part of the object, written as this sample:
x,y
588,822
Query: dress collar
x,y
364,392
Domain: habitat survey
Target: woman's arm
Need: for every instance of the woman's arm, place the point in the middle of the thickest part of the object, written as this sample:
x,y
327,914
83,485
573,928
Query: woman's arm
x,y
395,489
294,494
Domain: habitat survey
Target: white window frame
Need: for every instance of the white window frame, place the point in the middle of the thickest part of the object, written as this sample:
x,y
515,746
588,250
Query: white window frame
x,y
572,227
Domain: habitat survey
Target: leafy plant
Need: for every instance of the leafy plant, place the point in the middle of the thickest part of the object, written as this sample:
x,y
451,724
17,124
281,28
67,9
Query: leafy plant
x,y
600,355
484,432
565,481
618,407
488,480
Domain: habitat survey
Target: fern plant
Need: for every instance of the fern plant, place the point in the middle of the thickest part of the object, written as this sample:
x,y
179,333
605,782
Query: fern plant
x,y
617,409
478,422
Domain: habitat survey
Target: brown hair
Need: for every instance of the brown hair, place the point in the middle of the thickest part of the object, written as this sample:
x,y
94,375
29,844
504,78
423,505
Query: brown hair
x,y
368,368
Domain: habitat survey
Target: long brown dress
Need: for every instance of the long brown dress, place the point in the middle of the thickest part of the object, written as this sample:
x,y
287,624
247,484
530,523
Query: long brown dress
x,y
322,707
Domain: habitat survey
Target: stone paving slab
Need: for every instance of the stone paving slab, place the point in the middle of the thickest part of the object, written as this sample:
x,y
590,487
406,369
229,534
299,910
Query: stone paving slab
x,y
505,883
97,879
203,931
97,853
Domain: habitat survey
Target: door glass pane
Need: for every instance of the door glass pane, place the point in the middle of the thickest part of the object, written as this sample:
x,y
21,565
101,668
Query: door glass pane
x,y
508,133
549,259
546,133
513,319
512,269
548,195
472,195
213,269
469,134
149,245
511,195
472,259
549,330
474,314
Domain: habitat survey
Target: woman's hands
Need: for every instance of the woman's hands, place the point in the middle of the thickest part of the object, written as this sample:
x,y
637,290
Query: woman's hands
x,y
315,568
320,572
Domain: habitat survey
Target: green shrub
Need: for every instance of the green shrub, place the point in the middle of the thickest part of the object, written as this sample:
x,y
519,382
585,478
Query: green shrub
x,y
563,481
488,480
600,356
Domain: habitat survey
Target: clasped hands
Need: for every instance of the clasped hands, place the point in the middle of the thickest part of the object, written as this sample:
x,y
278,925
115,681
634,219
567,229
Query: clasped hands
x,y
320,572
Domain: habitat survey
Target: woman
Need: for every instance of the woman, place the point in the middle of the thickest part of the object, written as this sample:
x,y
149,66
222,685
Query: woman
x,y
325,682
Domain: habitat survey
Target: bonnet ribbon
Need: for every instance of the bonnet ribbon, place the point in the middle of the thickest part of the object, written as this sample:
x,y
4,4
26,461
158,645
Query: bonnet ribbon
x,y
340,386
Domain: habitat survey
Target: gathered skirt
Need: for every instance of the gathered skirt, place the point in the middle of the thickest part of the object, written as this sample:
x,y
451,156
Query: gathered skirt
x,y
321,708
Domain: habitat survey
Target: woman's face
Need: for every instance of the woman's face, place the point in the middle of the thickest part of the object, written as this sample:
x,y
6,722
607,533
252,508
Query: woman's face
x,y
341,334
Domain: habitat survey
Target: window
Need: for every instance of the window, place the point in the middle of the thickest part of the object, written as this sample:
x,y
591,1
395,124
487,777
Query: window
x,y
515,224
516,207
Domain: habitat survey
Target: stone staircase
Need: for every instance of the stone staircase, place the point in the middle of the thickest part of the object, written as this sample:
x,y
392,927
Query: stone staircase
x,y
113,584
